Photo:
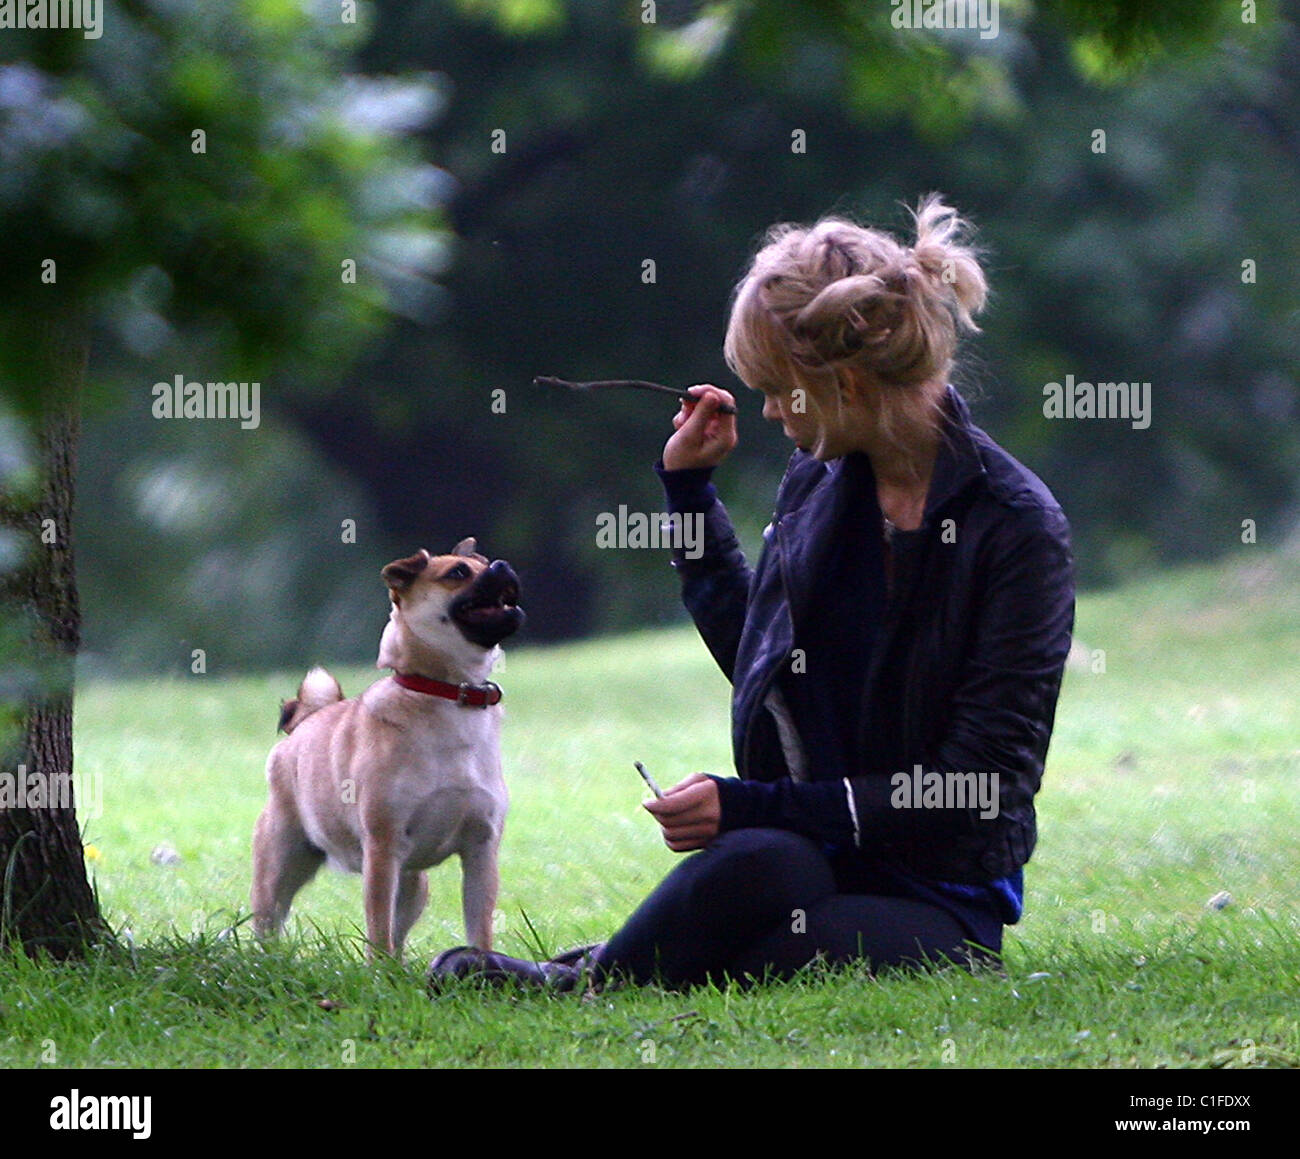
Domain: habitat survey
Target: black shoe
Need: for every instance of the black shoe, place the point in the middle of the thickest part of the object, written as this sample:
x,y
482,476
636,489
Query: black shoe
x,y
497,969
583,956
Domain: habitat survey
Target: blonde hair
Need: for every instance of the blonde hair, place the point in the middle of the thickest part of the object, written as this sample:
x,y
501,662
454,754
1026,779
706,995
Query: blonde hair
x,y
838,296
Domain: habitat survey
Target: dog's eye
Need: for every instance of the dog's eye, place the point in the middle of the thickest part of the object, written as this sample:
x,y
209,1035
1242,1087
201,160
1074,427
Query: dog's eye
x,y
459,572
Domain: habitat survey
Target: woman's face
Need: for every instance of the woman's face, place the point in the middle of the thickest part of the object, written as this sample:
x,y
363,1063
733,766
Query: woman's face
x,y
790,409
825,432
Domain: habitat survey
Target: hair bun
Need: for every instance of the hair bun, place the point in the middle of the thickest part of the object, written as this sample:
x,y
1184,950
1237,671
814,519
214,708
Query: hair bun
x,y
943,254
839,294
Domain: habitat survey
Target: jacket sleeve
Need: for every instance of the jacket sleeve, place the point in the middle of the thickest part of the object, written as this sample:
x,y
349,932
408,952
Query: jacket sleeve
x,y
714,573
999,721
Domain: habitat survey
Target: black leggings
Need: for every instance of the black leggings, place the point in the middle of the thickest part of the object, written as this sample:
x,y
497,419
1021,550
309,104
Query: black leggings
x,y
761,902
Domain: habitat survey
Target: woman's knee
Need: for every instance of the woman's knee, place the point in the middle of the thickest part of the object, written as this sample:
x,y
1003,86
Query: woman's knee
x,y
775,862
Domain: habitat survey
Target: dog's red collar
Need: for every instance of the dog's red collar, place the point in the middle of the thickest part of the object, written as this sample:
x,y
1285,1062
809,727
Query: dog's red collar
x,y
469,695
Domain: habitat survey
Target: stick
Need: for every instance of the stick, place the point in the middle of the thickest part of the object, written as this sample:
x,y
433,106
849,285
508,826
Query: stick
x,y
632,383
649,780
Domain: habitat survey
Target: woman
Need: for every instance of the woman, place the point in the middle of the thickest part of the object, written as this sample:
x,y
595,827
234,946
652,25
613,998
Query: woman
x,y
895,656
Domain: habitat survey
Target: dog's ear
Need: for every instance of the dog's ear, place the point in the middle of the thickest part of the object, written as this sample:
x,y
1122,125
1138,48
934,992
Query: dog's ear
x,y
401,573
469,549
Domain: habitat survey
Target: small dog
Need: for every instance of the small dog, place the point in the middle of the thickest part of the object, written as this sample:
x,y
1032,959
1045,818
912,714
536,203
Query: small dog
x,y
406,774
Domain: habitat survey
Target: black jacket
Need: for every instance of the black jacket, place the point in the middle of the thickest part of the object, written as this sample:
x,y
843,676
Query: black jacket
x,y
964,676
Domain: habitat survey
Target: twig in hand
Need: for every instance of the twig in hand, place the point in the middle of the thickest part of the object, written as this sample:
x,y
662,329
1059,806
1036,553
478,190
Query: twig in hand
x,y
632,383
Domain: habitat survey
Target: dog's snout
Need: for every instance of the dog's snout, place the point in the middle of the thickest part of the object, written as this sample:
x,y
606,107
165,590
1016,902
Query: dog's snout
x,y
488,611
504,574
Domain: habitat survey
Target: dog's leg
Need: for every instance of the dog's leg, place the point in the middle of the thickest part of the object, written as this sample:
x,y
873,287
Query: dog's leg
x,y
283,862
479,884
379,876
412,896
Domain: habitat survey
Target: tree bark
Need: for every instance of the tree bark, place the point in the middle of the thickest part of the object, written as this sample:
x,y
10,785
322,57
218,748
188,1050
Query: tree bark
x,y
46,902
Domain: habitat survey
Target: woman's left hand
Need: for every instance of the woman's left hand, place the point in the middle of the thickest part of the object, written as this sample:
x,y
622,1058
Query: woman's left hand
x,y
688,813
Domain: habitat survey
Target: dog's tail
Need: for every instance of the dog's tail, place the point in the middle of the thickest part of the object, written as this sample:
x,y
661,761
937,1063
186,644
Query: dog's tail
x,y
317,690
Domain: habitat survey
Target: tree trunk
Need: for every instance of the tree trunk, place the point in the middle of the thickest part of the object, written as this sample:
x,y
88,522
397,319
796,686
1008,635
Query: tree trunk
x,y
46,902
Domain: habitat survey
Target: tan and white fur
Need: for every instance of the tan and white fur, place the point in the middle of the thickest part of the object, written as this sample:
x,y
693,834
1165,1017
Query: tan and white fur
x,y
395,781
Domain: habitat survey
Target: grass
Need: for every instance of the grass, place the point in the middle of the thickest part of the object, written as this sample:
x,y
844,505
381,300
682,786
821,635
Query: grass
x,y
1171,778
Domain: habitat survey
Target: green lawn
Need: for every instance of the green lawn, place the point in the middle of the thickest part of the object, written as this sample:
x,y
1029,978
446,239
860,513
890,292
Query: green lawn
x,y
1172,777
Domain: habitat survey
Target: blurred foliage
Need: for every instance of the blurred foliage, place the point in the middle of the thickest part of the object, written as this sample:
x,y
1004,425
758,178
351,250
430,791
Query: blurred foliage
x,y
250,547
205,169
198,184
575,142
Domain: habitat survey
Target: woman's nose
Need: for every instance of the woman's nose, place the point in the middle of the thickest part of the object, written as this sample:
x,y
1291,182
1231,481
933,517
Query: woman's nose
x,y
771,411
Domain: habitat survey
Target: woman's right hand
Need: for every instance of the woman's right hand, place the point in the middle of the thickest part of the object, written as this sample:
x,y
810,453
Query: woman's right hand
x,y
702,436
